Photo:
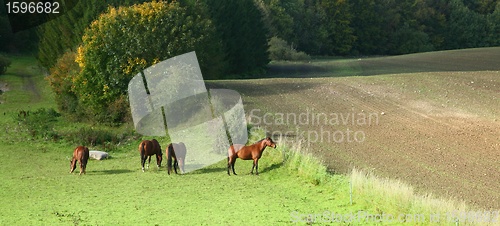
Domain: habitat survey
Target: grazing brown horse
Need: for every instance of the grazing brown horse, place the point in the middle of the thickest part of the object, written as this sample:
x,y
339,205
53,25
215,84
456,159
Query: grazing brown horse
x,y
253,152
81,154
178,153
147,148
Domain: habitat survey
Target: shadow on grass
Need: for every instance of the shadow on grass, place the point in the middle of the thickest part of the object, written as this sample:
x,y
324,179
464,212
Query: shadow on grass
x,y
209,169
223,169
115,171
274,166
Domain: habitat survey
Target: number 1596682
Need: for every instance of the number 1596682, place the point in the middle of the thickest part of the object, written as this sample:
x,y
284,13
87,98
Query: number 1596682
x,y
32,7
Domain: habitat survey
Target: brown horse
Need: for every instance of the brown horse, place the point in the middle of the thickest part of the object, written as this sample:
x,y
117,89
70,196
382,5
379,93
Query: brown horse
x,y
81,154
253,152
147,148
177,152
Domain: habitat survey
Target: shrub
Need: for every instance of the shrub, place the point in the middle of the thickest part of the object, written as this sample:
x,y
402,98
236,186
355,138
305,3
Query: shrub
x,y
91,137
60,80
4,64
118,111
106,139
279,49
40,123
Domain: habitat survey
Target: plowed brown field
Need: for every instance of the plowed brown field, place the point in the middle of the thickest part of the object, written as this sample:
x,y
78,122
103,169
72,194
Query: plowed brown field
x,y
438,131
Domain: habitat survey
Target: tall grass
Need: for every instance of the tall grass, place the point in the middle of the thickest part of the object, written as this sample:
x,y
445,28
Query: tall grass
x,y
385,196
397,198
305,164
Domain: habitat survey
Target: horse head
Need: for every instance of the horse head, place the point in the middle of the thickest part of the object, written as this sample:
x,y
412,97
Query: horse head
x,y
159,158
269,142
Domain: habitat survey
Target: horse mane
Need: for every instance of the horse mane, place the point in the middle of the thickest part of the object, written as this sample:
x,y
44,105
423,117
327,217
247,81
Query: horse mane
x,y
260,140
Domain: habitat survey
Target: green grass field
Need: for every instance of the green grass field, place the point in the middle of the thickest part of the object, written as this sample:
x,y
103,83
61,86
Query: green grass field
x,y
37,188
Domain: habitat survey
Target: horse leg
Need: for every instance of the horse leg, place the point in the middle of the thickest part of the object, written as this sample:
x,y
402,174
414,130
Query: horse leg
x,y
143,161
73,165
181,165
176,165
84,166
253,166
158,161
256,163
81,167
169,163
149,162
233,161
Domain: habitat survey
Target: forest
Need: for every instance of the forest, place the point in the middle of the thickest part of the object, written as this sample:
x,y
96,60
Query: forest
x,y
316,27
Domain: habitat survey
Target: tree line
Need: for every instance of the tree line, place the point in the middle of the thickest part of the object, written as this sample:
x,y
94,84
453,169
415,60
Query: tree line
x,y
316,27
382,27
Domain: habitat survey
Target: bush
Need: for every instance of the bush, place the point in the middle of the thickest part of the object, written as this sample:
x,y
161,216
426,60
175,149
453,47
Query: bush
x,y
60,80
118,111
40,123
124,41
91,137
4,64
106,139
279,49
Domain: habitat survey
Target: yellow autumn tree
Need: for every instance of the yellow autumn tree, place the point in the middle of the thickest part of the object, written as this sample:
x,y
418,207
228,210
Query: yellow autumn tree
x,y
123,41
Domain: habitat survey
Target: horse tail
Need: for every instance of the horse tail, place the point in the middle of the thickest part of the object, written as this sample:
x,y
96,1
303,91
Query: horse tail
x,y
86,155
142,150
181,159
183,150
170,149
141,147
231,151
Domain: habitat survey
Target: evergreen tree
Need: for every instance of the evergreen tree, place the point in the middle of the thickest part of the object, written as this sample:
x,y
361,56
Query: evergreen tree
x,y
369,27
65,32
337,25
465,28
240,26
493,19
19,42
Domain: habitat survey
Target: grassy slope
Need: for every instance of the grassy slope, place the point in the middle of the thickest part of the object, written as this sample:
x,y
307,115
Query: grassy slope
x,y
38,190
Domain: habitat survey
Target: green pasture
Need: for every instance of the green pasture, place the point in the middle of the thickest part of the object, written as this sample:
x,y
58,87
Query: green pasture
x,y
37,189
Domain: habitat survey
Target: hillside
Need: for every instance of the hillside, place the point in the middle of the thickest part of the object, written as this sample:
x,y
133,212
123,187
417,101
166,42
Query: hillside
x,y
429,119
